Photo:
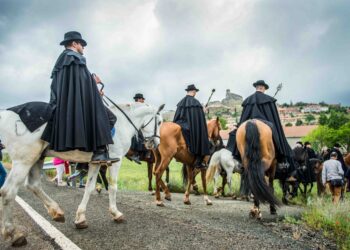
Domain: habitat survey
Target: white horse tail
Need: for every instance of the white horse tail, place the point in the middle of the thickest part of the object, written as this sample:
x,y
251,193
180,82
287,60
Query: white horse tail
x,y
214,165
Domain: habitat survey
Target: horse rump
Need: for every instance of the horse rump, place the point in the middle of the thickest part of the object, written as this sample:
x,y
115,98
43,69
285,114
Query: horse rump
x,y
255,169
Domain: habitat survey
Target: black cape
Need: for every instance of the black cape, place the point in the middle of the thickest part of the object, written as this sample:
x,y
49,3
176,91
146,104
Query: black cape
x,y
263,107
190,116
80,120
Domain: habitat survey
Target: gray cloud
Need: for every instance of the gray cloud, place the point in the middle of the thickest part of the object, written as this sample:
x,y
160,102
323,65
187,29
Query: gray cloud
x,y
157,47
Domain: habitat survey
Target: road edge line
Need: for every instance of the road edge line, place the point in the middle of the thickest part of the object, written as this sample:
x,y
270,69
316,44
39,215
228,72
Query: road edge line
x,y
48,228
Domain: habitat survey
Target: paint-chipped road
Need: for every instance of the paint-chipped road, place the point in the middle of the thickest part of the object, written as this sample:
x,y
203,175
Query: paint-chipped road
x,y
225,225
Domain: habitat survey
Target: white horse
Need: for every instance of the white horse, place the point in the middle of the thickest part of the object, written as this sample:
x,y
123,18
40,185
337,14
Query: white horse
x,y
222,160
26,150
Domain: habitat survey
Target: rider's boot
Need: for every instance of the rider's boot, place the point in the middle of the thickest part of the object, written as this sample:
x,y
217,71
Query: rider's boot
x,y
199,162
101,156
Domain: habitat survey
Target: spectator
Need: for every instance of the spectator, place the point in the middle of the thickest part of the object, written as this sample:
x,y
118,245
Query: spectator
x,y
2,169
310,151
332,174
60,166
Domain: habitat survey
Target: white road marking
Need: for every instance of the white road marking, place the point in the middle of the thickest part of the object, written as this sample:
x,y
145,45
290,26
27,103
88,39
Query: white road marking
x,y
53,232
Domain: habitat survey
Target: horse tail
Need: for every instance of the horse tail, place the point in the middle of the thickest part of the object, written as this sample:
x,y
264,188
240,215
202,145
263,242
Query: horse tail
x,y
184,175
214,165
255,171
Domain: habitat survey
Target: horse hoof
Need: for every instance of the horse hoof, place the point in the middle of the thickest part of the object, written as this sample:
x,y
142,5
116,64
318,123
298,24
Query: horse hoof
x,y
81,225
160,204
168,198
217,196
153,192
59,218
120,219
98,190
209,203
187,202
20,241
196,192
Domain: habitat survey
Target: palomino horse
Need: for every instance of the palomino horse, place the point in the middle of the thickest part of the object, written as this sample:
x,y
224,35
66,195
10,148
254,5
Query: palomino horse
x,y
150,161
173,145
255,145
26,150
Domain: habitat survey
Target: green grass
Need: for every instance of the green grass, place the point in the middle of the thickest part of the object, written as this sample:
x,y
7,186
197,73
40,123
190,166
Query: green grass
x,y
333,220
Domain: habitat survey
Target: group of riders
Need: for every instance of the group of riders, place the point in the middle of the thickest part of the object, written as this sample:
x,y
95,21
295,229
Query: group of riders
x,y
80,120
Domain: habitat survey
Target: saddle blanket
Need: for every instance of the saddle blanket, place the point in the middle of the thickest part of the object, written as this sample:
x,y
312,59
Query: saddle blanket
x,y
33,114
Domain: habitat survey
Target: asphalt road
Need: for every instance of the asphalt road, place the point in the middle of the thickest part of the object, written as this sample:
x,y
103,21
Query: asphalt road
x,y
225,225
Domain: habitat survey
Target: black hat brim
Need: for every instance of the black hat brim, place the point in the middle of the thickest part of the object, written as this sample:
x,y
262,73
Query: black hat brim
x,y
135,98
83,42
261,84
192,89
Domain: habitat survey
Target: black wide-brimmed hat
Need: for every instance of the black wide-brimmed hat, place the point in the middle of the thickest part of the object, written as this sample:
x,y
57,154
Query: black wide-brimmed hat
x,y
73,36
191,87
261,83
138,96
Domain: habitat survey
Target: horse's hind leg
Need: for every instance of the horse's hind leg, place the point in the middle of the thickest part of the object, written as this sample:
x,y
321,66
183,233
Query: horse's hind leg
x,y
80,219
204,184
34,184
255,211
113,188
9,191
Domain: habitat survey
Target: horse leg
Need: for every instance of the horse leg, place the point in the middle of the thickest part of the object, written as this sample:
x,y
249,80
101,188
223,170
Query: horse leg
x,y
158,173
164,187
189,178
285,188
216,176
255,211
272,206
204,184
167,175
229,182
150,168
34,184
224,182
80,218
9,191
311,186
194,183
117,216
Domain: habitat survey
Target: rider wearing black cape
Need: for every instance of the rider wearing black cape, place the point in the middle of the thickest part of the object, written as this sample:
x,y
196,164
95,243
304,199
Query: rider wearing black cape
x,y
190,116
80,120
263,107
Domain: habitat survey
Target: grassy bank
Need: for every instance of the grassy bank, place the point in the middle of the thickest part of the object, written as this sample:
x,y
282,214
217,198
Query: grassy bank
x,y
333,220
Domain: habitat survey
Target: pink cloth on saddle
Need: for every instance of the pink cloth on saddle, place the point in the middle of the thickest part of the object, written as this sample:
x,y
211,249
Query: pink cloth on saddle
x,y
57,161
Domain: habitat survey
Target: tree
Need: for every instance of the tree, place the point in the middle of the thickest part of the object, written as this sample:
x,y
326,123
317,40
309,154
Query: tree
x,y
309,118
323,119
289,124
337,119
299,122
223,123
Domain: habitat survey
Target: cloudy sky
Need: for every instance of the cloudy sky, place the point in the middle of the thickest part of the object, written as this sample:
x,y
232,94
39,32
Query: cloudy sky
x,y
158,47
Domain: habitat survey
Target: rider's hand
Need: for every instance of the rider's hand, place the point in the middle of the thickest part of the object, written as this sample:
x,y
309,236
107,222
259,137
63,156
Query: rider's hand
x,y
101,93
97,79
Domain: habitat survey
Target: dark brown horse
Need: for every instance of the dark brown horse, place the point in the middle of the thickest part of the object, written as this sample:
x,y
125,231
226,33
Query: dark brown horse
x,y
149,158
255,145
173,145
317,166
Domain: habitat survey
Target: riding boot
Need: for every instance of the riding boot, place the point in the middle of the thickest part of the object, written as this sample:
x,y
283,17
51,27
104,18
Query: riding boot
x,y
135,157
101,155
199,162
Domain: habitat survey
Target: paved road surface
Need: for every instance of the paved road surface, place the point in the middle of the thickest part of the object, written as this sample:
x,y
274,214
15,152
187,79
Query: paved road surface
x,y
225,225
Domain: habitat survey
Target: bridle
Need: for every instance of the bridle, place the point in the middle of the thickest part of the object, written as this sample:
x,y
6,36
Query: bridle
x,y
139,131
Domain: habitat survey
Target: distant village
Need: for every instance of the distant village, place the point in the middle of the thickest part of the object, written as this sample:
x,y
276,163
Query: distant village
x,y
298,119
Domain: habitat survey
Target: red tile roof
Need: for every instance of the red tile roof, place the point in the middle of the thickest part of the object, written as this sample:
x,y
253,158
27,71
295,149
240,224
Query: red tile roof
x,y
295,131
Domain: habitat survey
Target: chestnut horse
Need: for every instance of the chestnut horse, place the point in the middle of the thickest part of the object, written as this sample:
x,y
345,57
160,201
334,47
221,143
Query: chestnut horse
x,y
150,161
173,145
255,145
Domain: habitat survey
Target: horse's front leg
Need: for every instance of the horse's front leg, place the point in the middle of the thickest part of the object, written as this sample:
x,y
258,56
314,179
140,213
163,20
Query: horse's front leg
x,y
189,181
150,169
80,218
229,182
216,177
34,184
9,191
204,184
311,186
112,191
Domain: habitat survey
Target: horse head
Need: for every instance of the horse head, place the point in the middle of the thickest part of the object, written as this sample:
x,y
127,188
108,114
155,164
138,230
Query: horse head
x,y
215,139
150,127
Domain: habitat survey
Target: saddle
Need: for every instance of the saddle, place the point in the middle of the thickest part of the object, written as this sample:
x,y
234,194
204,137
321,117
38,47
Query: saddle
x,y
34,114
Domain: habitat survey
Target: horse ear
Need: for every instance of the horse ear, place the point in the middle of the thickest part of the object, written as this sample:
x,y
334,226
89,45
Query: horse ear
x,y
161,108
